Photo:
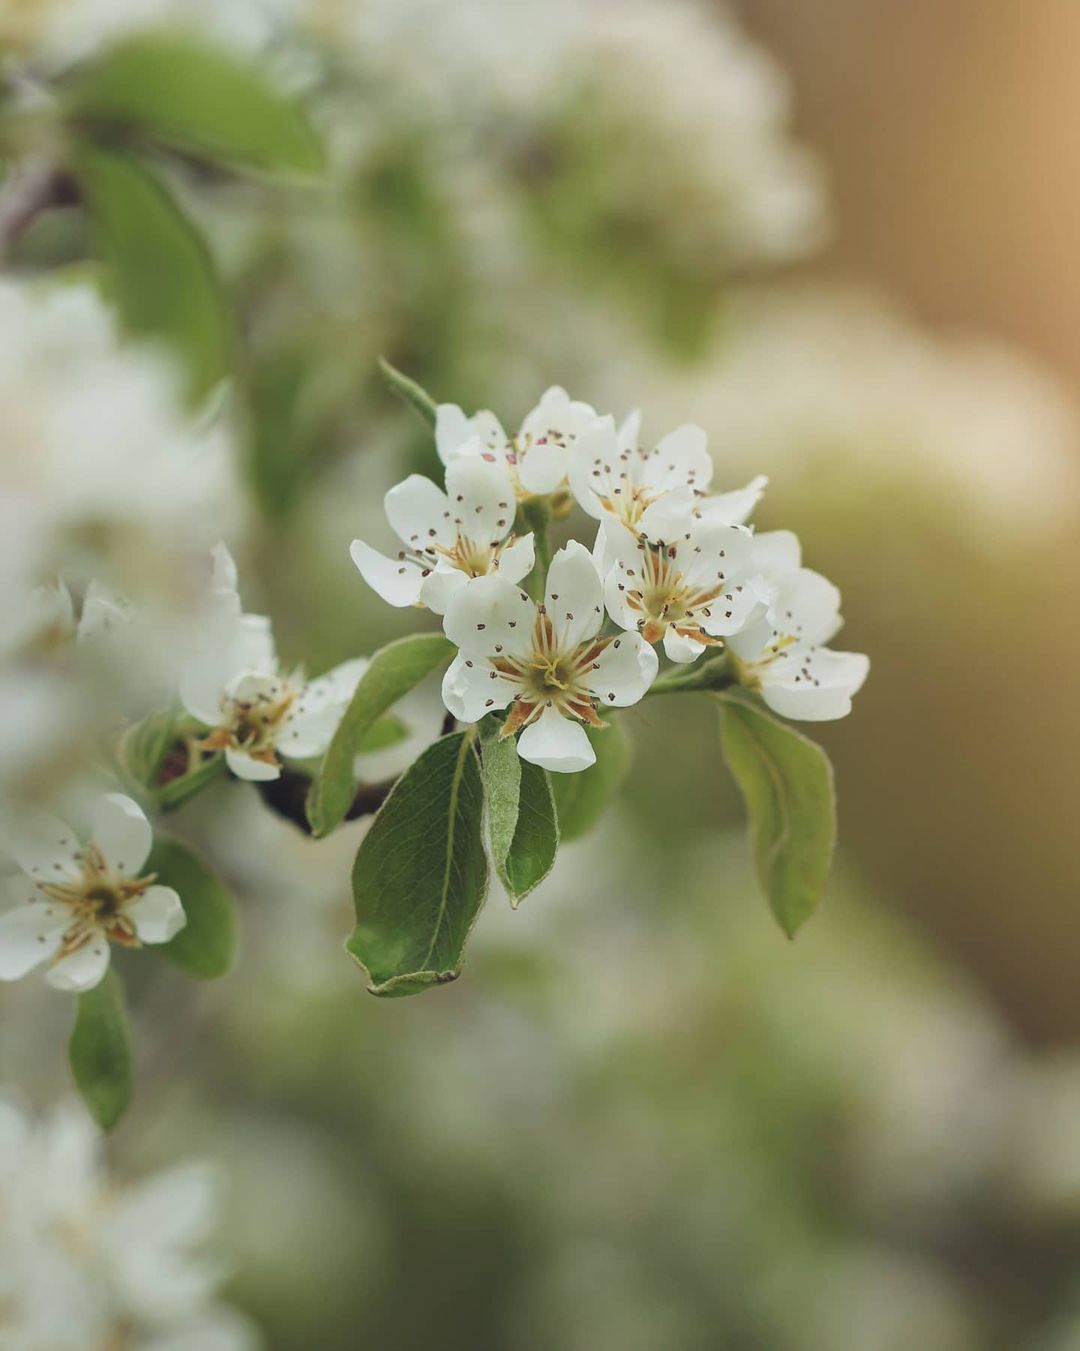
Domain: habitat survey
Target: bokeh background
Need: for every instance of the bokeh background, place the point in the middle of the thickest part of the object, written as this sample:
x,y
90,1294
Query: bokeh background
x,y
842,237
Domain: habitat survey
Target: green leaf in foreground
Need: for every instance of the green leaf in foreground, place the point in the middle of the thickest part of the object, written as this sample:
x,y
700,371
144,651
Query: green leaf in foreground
x,y
394,670
787,782
100,1052
581,799
206,946
408,390
420,875
522,827
160,273
197,98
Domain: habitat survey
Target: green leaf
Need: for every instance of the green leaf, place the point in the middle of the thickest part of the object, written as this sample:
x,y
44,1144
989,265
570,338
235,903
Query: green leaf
x,y
408,390
394,670
199,99
420,875
522,826
179,790
100,1051
160,272
144,746
787,782
206,946
387,732
581,799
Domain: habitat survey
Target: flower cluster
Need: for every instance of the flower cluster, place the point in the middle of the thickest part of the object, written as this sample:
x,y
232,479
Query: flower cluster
x,y
84,1263
672,564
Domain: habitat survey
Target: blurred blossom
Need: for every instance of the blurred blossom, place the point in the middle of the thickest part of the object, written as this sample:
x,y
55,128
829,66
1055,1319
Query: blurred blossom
x,y
821,383
85,1265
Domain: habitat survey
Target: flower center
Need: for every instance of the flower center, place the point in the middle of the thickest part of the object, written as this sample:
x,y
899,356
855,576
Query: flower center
x,y
551,677
98,901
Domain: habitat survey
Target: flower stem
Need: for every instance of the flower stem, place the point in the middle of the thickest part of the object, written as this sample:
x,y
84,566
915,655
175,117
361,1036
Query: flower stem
x,y
713,673
535,513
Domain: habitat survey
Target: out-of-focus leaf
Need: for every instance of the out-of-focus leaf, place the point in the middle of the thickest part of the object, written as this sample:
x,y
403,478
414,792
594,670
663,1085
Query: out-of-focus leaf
x,y
387,732
393,671
206,946
199,99
522,827
100,1052
409,391
145,745
581,799
179,790
787,782
420,875
161,276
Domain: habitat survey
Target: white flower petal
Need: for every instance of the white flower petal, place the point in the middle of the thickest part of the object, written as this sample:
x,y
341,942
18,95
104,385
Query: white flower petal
x,y
681,649
122,833
29,935
224,576
245,766
158,915
480,496
82,969
542,468
441,585
814,686
201,686
595,469
625,670
681,458
490,613
629,434
397,581
806,605
419,513
251,647
670,516
43,846
517,560
452,429
556,743
472,687
733,508
714,553
575,595
776,552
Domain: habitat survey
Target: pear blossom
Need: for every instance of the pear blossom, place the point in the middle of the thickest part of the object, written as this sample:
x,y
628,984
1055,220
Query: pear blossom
x,y
85,1262
691,593
548,661
651,492
782,654
82,897
448,537
235,687
538,456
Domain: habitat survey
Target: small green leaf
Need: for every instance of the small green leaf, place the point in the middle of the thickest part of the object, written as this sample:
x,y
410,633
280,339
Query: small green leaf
x,y
408,390
199,99
144,746
186,786
394,670
581,799
787,783
160,272
100,1051
387,732
522,827
206,946
420,875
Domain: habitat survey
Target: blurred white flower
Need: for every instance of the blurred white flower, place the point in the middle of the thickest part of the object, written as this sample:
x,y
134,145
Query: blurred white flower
x,y
234,686
82,897
449,536
548,660
84,1264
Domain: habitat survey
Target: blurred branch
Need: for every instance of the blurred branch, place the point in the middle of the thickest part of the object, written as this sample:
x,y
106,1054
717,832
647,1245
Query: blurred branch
x,y
29,190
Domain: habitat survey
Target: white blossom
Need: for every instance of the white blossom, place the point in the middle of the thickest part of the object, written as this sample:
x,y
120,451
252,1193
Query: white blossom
x,y
448,537
549,661
236,688
784,654
653,492
691,592
84,1263
538,456
80,897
